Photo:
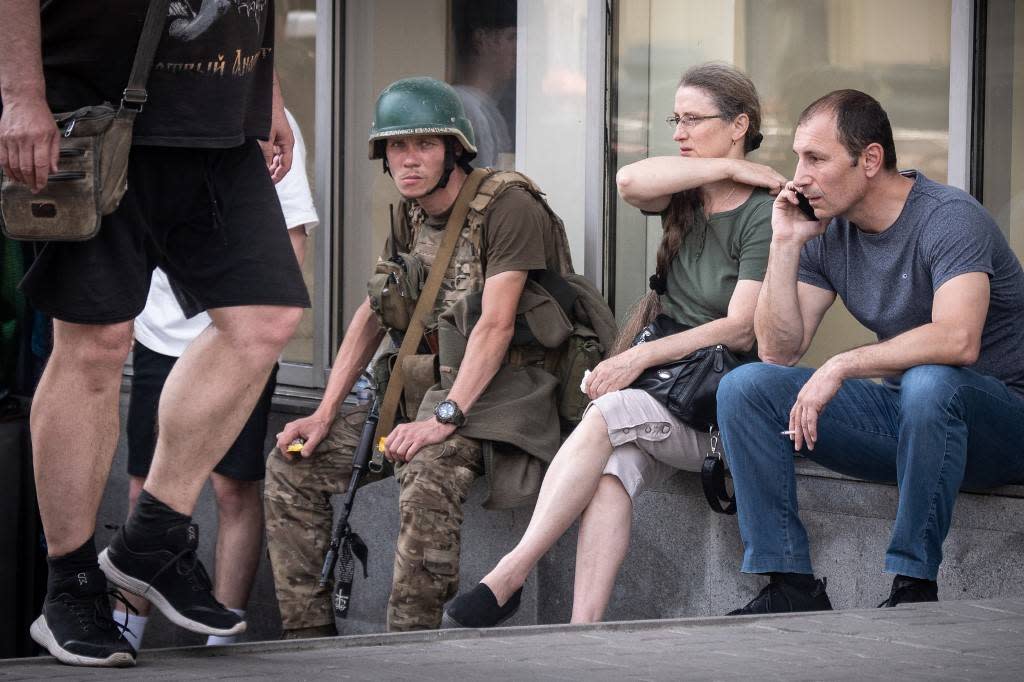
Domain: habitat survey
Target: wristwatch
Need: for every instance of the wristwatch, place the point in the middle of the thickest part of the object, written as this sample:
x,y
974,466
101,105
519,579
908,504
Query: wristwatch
x,y
448,412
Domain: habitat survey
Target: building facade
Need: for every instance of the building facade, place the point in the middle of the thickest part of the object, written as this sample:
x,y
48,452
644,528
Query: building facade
x,y
581,87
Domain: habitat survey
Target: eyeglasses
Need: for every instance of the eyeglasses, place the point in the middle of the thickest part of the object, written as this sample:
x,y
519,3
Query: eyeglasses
x,y
688,121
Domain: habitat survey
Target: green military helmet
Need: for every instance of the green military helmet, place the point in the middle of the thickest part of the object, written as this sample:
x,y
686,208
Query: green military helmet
x,y
420,106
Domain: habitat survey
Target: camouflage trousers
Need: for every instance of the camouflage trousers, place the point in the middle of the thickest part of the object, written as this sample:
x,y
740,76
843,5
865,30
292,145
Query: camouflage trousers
x,y
299,518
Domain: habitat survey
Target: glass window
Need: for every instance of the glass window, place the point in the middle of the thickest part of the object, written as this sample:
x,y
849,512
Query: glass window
x,y
295,61
483,71
795,51
1002,182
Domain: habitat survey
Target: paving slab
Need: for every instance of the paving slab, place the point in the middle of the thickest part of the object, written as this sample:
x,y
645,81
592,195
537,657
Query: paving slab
x,y
953,640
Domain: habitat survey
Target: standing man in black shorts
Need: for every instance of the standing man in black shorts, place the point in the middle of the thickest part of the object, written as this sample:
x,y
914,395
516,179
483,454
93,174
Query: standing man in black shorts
x,y
201,206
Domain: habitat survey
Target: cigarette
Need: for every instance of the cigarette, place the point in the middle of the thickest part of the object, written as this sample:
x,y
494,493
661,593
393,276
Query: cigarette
x,y
787,433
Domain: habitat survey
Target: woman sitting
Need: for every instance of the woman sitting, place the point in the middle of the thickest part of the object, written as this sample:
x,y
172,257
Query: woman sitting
x,y
716,218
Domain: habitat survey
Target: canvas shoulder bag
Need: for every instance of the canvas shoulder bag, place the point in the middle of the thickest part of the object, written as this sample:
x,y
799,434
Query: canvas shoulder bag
x,y
94,145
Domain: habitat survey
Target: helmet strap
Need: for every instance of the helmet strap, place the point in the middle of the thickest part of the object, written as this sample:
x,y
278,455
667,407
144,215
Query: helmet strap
x,y
449,165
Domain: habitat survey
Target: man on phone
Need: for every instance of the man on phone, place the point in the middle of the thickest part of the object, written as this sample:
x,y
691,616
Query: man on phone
x,y
925,267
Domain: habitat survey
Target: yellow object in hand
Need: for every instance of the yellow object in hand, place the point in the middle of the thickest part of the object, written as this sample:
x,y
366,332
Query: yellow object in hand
x,y
295,447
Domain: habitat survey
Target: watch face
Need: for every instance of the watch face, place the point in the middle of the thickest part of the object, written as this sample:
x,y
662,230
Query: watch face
x,y
445,410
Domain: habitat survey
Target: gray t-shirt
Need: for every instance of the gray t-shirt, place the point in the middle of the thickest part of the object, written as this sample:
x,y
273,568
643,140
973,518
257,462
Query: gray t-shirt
x,y
888,280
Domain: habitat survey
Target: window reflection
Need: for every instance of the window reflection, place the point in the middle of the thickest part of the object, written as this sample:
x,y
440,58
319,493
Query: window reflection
x,y
295,62
1003,170
483,73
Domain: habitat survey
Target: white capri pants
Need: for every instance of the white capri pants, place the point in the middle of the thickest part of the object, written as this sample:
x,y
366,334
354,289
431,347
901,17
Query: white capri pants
x,y
649,443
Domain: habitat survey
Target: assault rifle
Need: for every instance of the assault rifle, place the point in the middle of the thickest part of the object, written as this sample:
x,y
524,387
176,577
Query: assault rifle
x,y
345,544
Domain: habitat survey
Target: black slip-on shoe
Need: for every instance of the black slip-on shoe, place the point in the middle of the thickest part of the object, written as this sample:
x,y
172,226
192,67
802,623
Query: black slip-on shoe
x,y
779,596
173,579
77,627
478,608
907,590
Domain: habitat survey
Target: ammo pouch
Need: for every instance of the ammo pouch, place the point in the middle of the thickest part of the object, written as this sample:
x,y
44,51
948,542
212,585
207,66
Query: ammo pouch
x,y
582,352
94,146
394,288
421,373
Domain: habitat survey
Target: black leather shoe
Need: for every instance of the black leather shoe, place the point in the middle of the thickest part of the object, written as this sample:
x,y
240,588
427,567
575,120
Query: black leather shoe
x,y
906,590
478,608
76,626
779,596
173,579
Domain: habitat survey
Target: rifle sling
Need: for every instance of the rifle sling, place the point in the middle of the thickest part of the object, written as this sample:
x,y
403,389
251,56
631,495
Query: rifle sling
x,y
428,296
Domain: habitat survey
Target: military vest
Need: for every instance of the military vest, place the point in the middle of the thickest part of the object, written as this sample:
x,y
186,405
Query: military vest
x,y
467,270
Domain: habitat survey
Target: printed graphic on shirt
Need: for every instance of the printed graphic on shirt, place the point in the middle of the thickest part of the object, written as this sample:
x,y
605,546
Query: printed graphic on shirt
x,y
186,23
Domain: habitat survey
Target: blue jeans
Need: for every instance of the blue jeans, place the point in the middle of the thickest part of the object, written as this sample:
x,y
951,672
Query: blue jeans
x,y
945,428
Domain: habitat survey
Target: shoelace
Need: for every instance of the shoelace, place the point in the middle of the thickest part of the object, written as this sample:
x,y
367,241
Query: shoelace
x,y
766,594
99,609
186,563
898,593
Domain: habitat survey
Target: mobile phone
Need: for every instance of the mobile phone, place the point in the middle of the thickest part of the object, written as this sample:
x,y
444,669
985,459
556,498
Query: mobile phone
x,y
805,207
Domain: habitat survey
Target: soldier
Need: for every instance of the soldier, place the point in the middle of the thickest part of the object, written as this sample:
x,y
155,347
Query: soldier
x,y
421,133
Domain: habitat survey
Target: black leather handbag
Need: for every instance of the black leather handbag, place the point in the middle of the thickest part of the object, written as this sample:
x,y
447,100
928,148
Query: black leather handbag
x,y
687,387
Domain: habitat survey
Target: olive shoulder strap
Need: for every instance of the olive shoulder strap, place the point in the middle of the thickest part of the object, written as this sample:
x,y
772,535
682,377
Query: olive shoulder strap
x,y
428,296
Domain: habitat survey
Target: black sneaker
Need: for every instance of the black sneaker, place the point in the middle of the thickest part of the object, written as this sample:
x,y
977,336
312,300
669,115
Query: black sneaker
x,y
478,608
906,590
173,579
779,596
76,625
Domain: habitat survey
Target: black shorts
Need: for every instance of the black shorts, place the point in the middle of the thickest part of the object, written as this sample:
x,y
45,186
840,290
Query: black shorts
x,y
244,461
210,218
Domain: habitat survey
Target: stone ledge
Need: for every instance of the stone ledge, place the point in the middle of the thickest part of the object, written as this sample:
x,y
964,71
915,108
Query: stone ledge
x,y
805,468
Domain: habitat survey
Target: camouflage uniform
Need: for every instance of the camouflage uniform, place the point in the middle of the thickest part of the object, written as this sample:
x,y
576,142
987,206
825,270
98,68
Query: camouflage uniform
x,y
297,499
434,485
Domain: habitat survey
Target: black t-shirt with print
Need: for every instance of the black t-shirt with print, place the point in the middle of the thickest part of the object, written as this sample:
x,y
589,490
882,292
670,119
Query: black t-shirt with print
x,y
211,82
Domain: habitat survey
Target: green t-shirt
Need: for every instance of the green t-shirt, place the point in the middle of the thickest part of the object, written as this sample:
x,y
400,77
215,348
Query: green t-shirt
x,y
715,253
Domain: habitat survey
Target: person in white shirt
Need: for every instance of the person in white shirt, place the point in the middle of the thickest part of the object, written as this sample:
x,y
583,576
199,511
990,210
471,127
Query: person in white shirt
x,y
162,332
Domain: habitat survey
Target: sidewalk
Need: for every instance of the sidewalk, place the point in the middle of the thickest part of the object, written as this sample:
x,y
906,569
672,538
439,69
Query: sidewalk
x,y
975,640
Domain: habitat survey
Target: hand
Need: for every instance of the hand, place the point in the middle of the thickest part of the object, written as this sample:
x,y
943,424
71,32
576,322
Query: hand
x,y
29,142
277,150
405,440
615,373
810,402
788,221
313,429
757,175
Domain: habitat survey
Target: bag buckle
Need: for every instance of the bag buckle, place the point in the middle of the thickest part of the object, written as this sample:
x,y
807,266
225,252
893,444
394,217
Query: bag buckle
x,y
134,96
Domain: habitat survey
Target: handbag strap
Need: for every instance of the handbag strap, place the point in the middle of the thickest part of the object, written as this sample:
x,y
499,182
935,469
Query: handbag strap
x,y
712,479
145,53
428,296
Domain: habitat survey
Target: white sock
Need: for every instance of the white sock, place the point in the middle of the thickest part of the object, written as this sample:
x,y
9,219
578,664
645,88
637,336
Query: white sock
x,y
136,626
217,640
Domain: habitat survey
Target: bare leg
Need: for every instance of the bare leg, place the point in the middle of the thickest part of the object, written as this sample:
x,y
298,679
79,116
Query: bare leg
x,y
568,487
74,426
210,393
600,549
239,539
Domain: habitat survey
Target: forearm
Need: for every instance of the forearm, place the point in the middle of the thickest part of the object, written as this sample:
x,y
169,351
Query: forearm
x,y
778,324
663,176
297,237
930,344
485,350
277,99
361,340
21,62
735,334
